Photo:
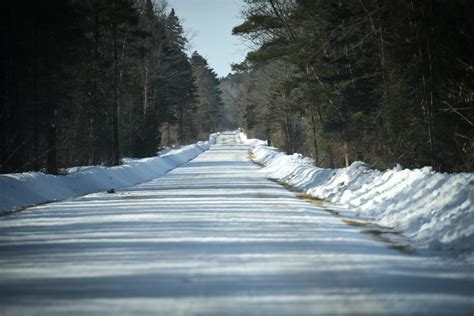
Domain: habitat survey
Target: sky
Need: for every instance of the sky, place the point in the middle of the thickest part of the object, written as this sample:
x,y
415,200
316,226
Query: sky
x,y
208,25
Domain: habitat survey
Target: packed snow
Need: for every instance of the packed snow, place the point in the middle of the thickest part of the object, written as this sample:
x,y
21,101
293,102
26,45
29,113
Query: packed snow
x,y
434,209
213,237
24,189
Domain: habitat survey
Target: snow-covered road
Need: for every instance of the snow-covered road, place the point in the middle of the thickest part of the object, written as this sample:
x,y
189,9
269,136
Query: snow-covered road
x,y
213,237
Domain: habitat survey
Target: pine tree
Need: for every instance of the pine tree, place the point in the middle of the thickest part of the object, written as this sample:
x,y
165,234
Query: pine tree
x,y
209,103
371,79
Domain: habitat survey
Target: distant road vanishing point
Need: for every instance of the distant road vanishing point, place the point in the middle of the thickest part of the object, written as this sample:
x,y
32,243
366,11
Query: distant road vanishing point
x,y
213,237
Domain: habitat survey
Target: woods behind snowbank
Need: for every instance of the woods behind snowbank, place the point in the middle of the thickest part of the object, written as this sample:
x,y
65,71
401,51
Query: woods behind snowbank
x,y
19,190
435,209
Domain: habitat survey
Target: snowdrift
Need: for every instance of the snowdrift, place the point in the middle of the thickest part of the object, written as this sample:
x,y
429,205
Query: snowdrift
x,y
434,209
30,188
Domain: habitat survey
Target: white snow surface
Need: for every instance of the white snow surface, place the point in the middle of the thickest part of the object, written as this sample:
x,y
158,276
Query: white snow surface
x,y
435,209
19,190
214,237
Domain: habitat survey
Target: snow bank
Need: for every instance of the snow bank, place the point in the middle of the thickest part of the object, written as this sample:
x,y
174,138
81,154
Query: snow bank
x,y
435,209
252,142
24,189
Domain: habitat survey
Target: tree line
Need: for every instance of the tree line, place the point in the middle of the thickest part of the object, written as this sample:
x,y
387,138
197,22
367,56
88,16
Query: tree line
x,y
380,81
91,81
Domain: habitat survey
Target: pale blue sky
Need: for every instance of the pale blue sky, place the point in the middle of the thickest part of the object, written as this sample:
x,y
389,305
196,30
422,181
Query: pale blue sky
x,y
208,24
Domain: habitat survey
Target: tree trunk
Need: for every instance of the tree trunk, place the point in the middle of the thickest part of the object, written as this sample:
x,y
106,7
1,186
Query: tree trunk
x,y
115,127
35,100
90,150
315,139
145,89
91,153
427,100
269,135
181,124
51,139
346,154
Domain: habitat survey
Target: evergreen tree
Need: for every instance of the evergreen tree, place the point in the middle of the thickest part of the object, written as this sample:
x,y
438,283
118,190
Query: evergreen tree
x,y
87,82
179,85
208,95
372,78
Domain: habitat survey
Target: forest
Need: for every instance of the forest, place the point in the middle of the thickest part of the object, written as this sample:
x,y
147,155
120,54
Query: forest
x,y
92,81
385,82
380,81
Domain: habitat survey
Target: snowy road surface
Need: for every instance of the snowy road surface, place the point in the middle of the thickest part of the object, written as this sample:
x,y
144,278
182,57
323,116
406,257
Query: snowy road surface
x,y
213,237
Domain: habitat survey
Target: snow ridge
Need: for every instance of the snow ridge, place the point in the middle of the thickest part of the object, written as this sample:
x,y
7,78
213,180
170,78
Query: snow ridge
x,y
24,189
434,209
